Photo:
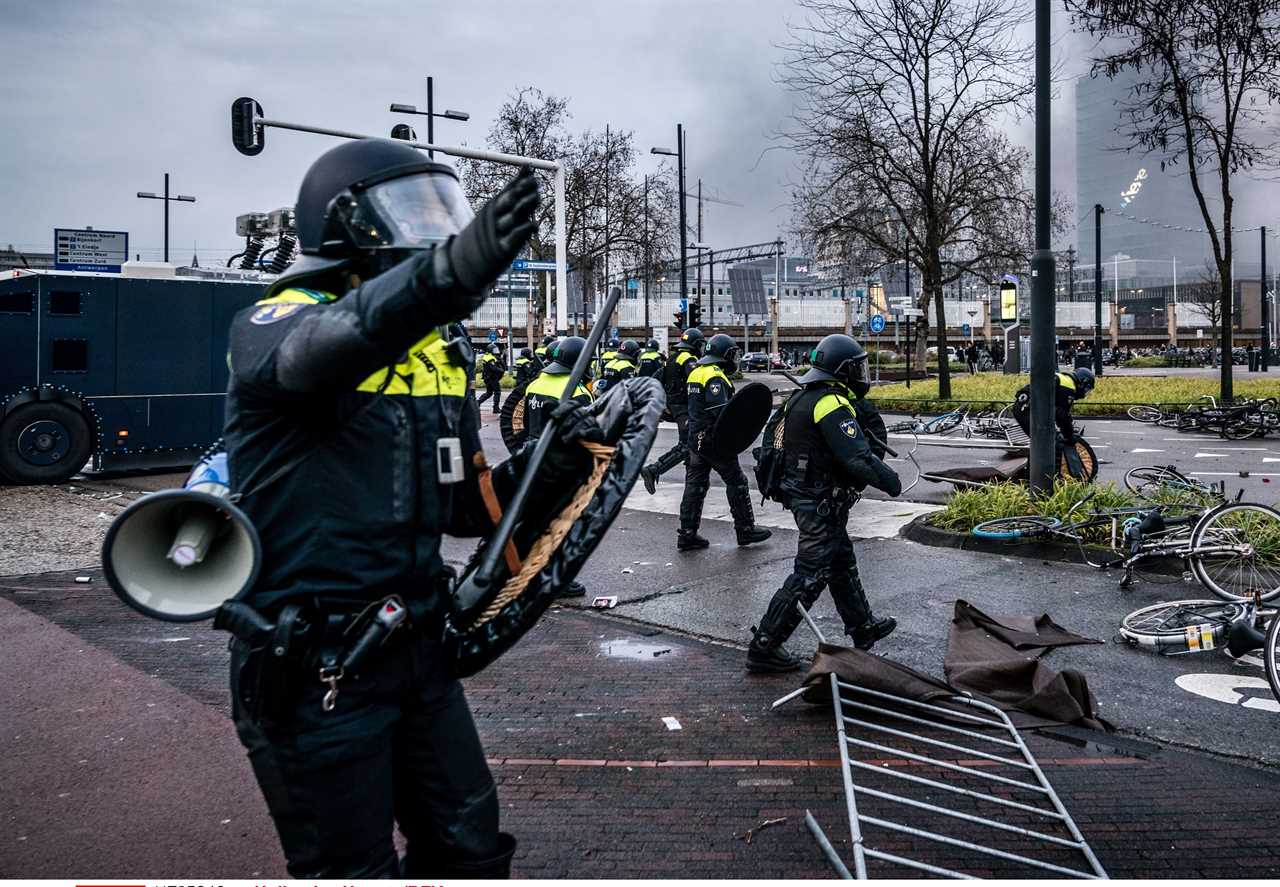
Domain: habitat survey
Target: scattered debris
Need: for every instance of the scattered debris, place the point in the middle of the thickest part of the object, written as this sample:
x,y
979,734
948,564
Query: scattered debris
x,y
657,653
84,579
750,833
627,570
672,724
669,565
605,602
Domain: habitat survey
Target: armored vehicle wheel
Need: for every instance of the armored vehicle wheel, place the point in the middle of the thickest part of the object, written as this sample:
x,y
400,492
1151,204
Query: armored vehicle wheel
x,y
43,443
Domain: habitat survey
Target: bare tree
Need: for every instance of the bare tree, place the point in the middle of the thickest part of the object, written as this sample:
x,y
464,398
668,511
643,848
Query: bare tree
x,y
605,209
898,104
1205,297
1207,70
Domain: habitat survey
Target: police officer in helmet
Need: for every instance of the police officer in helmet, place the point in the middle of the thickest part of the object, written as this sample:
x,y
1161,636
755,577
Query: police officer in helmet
x,y
1068,388
709,390
652,361
527,367
620,368
675,381
541,351
491,373
353,443
828,461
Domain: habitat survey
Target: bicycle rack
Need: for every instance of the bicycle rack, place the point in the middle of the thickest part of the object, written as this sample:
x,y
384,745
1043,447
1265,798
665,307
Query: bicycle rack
x,y
1054,839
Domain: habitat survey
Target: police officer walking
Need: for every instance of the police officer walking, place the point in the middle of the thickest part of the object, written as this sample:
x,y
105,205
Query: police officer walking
x,y
675,381
491,373
527,367
828,461
541,351
620,368
353,443
652,361
709,390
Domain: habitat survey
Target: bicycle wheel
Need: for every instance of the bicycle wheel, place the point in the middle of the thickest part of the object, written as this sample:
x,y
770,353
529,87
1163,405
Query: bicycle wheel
x,y
1145,414
1271,656
1147,481
1180,626
944,423
1027,527
1242,428
1254,530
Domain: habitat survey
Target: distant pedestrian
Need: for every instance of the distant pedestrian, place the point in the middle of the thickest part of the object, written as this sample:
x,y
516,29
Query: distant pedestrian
x,y
971,357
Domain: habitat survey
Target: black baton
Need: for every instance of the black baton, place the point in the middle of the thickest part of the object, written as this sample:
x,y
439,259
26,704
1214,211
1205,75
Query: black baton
x,y
471,589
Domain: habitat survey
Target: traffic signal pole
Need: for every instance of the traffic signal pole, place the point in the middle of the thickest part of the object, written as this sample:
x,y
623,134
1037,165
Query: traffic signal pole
x,y
1043,357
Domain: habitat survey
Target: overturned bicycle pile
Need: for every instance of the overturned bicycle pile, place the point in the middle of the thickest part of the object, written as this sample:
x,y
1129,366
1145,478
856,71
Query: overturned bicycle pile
x,y
939,781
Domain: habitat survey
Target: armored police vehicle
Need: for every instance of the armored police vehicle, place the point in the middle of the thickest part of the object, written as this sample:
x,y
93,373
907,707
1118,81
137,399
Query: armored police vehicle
x,y
112,371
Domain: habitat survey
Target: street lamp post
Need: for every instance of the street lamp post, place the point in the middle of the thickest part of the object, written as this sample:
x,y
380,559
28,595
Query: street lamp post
x,y
678,153
430,114
150,195
1043,359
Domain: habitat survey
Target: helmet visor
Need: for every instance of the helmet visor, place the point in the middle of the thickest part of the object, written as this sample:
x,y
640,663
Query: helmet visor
x,y
410,212
855,373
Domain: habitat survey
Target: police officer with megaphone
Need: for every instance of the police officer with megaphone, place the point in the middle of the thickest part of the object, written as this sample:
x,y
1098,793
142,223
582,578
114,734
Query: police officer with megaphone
x,y
353,445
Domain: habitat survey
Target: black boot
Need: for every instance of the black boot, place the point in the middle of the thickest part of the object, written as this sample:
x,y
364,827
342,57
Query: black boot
x,y
493,869
691,541
764,656
649,475
753,534
573,589
851,603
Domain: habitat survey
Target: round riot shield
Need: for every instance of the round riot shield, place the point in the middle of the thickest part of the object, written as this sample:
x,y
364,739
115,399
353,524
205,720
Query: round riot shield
x,y
741,420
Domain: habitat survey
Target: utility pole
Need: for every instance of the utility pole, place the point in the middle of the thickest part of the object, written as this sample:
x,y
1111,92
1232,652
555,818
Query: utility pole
x,y
906,271
1043,359
1097,289
684,234
1262,289
646,254
151,195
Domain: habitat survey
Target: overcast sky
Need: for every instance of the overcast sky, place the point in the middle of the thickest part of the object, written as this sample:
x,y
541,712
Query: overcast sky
x,y
100,99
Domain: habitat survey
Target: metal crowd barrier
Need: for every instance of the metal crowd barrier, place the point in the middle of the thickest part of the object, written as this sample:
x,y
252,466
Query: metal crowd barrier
x,y
1033,814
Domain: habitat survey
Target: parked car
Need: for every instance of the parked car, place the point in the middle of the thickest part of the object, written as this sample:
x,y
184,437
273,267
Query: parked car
x,y
777,363
755,362
952,355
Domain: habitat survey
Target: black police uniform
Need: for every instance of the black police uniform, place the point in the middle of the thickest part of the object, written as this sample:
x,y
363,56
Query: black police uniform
x,y
491,373
675,381
652,363
542,396
348,422
828,460
1064,398
616,371
709,389
527,368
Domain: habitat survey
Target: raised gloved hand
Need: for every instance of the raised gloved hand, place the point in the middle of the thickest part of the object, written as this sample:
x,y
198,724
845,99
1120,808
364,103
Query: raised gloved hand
x,y
494,238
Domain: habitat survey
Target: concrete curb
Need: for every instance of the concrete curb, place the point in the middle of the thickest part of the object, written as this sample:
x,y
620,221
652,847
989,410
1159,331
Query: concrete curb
x,y
919,530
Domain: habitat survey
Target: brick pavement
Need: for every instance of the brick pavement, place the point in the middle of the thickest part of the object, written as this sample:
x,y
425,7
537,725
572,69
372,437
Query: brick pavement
x,y
594,783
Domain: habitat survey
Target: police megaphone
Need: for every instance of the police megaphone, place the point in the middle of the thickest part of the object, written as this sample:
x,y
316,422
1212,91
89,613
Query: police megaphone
x,y
177,555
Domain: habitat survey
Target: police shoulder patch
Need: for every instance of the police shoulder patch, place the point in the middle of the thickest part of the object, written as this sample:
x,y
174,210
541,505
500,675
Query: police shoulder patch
x,y
850,427
265,314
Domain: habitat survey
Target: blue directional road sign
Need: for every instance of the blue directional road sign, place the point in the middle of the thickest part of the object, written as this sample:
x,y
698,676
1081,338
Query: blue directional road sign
x,y
965,329
493,335
531,265
876,324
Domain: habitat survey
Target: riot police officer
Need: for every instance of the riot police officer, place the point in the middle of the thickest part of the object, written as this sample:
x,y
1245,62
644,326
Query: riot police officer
x,y
353,444
527,367
491,373
709,390
652,361
675,381
541,351
1068,388
620,368
828,461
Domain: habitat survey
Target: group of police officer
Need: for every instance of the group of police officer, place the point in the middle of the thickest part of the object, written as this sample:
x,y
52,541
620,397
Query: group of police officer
x,y
353,445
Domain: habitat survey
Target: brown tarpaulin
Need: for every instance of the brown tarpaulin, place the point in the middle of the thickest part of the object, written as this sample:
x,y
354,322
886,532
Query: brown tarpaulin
x,y
993,658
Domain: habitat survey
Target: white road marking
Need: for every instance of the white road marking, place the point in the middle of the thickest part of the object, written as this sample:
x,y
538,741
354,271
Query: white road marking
x,y
869,519
1144,450
1211,456
1223,688
1138,433
1269,459
1230,474
1190,437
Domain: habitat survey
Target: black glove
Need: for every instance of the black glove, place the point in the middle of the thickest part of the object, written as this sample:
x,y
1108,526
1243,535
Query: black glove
x,y
493,240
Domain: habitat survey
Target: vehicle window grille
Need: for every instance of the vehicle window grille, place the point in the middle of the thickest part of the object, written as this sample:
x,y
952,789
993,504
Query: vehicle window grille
x,y
17,303
64,303
69,356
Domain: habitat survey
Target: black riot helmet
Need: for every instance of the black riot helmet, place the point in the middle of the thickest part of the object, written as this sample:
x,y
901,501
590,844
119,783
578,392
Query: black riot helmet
x,y
526,353
564,354
629,349
838,358
652,344
613,344
693,340
547,340
369,204
495,350
723,350
1084,381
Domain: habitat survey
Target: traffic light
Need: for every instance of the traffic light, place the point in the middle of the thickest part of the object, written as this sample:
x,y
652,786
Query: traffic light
x,y
695,315
680,320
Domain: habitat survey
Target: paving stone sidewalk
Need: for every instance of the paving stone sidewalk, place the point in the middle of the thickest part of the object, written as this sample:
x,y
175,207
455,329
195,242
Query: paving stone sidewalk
x,y
592,778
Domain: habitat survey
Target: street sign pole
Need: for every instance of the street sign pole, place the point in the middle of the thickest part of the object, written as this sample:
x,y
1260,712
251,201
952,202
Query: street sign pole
x,y
1043,360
